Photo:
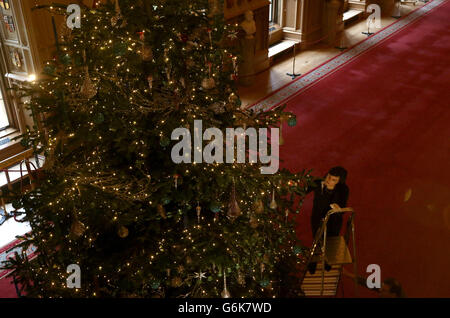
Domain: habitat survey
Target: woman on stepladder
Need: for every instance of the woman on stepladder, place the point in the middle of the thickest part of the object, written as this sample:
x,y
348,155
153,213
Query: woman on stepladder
x,y
331,192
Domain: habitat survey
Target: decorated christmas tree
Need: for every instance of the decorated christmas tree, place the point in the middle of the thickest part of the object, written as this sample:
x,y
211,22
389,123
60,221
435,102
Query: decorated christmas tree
x,y
112,199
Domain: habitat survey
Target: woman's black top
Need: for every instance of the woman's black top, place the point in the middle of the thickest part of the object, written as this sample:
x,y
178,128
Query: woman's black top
x,y
324,197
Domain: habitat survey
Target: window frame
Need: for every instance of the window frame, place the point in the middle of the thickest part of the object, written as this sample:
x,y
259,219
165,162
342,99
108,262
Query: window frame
x,y
11,75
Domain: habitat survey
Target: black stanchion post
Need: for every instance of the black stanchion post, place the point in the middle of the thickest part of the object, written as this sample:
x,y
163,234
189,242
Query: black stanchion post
x,y
293,74
368,33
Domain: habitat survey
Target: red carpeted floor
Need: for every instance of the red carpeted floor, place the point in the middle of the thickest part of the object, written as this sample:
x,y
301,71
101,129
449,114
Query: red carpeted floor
x,y
7,289
385,117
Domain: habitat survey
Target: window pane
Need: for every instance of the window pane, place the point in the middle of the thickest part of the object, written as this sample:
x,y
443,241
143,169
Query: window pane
x,y
271,11
3,116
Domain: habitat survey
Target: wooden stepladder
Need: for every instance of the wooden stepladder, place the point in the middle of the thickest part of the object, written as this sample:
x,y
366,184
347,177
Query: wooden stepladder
x,y
335,252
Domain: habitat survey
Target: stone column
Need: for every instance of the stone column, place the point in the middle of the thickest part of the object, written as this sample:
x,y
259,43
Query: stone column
x,y
332,16
247,67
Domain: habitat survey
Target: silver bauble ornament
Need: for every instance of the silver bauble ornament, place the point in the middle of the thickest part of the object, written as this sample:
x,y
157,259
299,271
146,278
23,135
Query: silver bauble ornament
x,y
225,293
273,204
218,108
88,88
233,207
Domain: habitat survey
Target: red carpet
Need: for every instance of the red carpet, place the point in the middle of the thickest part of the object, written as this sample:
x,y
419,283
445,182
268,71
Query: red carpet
x,y
7,289
385,116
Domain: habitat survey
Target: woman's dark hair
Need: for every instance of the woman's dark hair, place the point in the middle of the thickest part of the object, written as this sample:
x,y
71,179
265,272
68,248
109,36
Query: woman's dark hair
x,y
339,172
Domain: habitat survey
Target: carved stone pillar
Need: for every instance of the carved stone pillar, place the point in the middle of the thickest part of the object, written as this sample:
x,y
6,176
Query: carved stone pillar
x,y
333,23
247,66
234,11
311,17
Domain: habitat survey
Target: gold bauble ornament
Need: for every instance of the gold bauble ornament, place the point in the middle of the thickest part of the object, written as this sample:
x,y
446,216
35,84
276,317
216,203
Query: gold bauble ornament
x,y
208,83
65,32
214,8
115,19
77,228
253,222
233,98
273,204
88,89
241,279
150,81
122,232
286,214
176,282
147,53
218,108
258,207
161,211
199,210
